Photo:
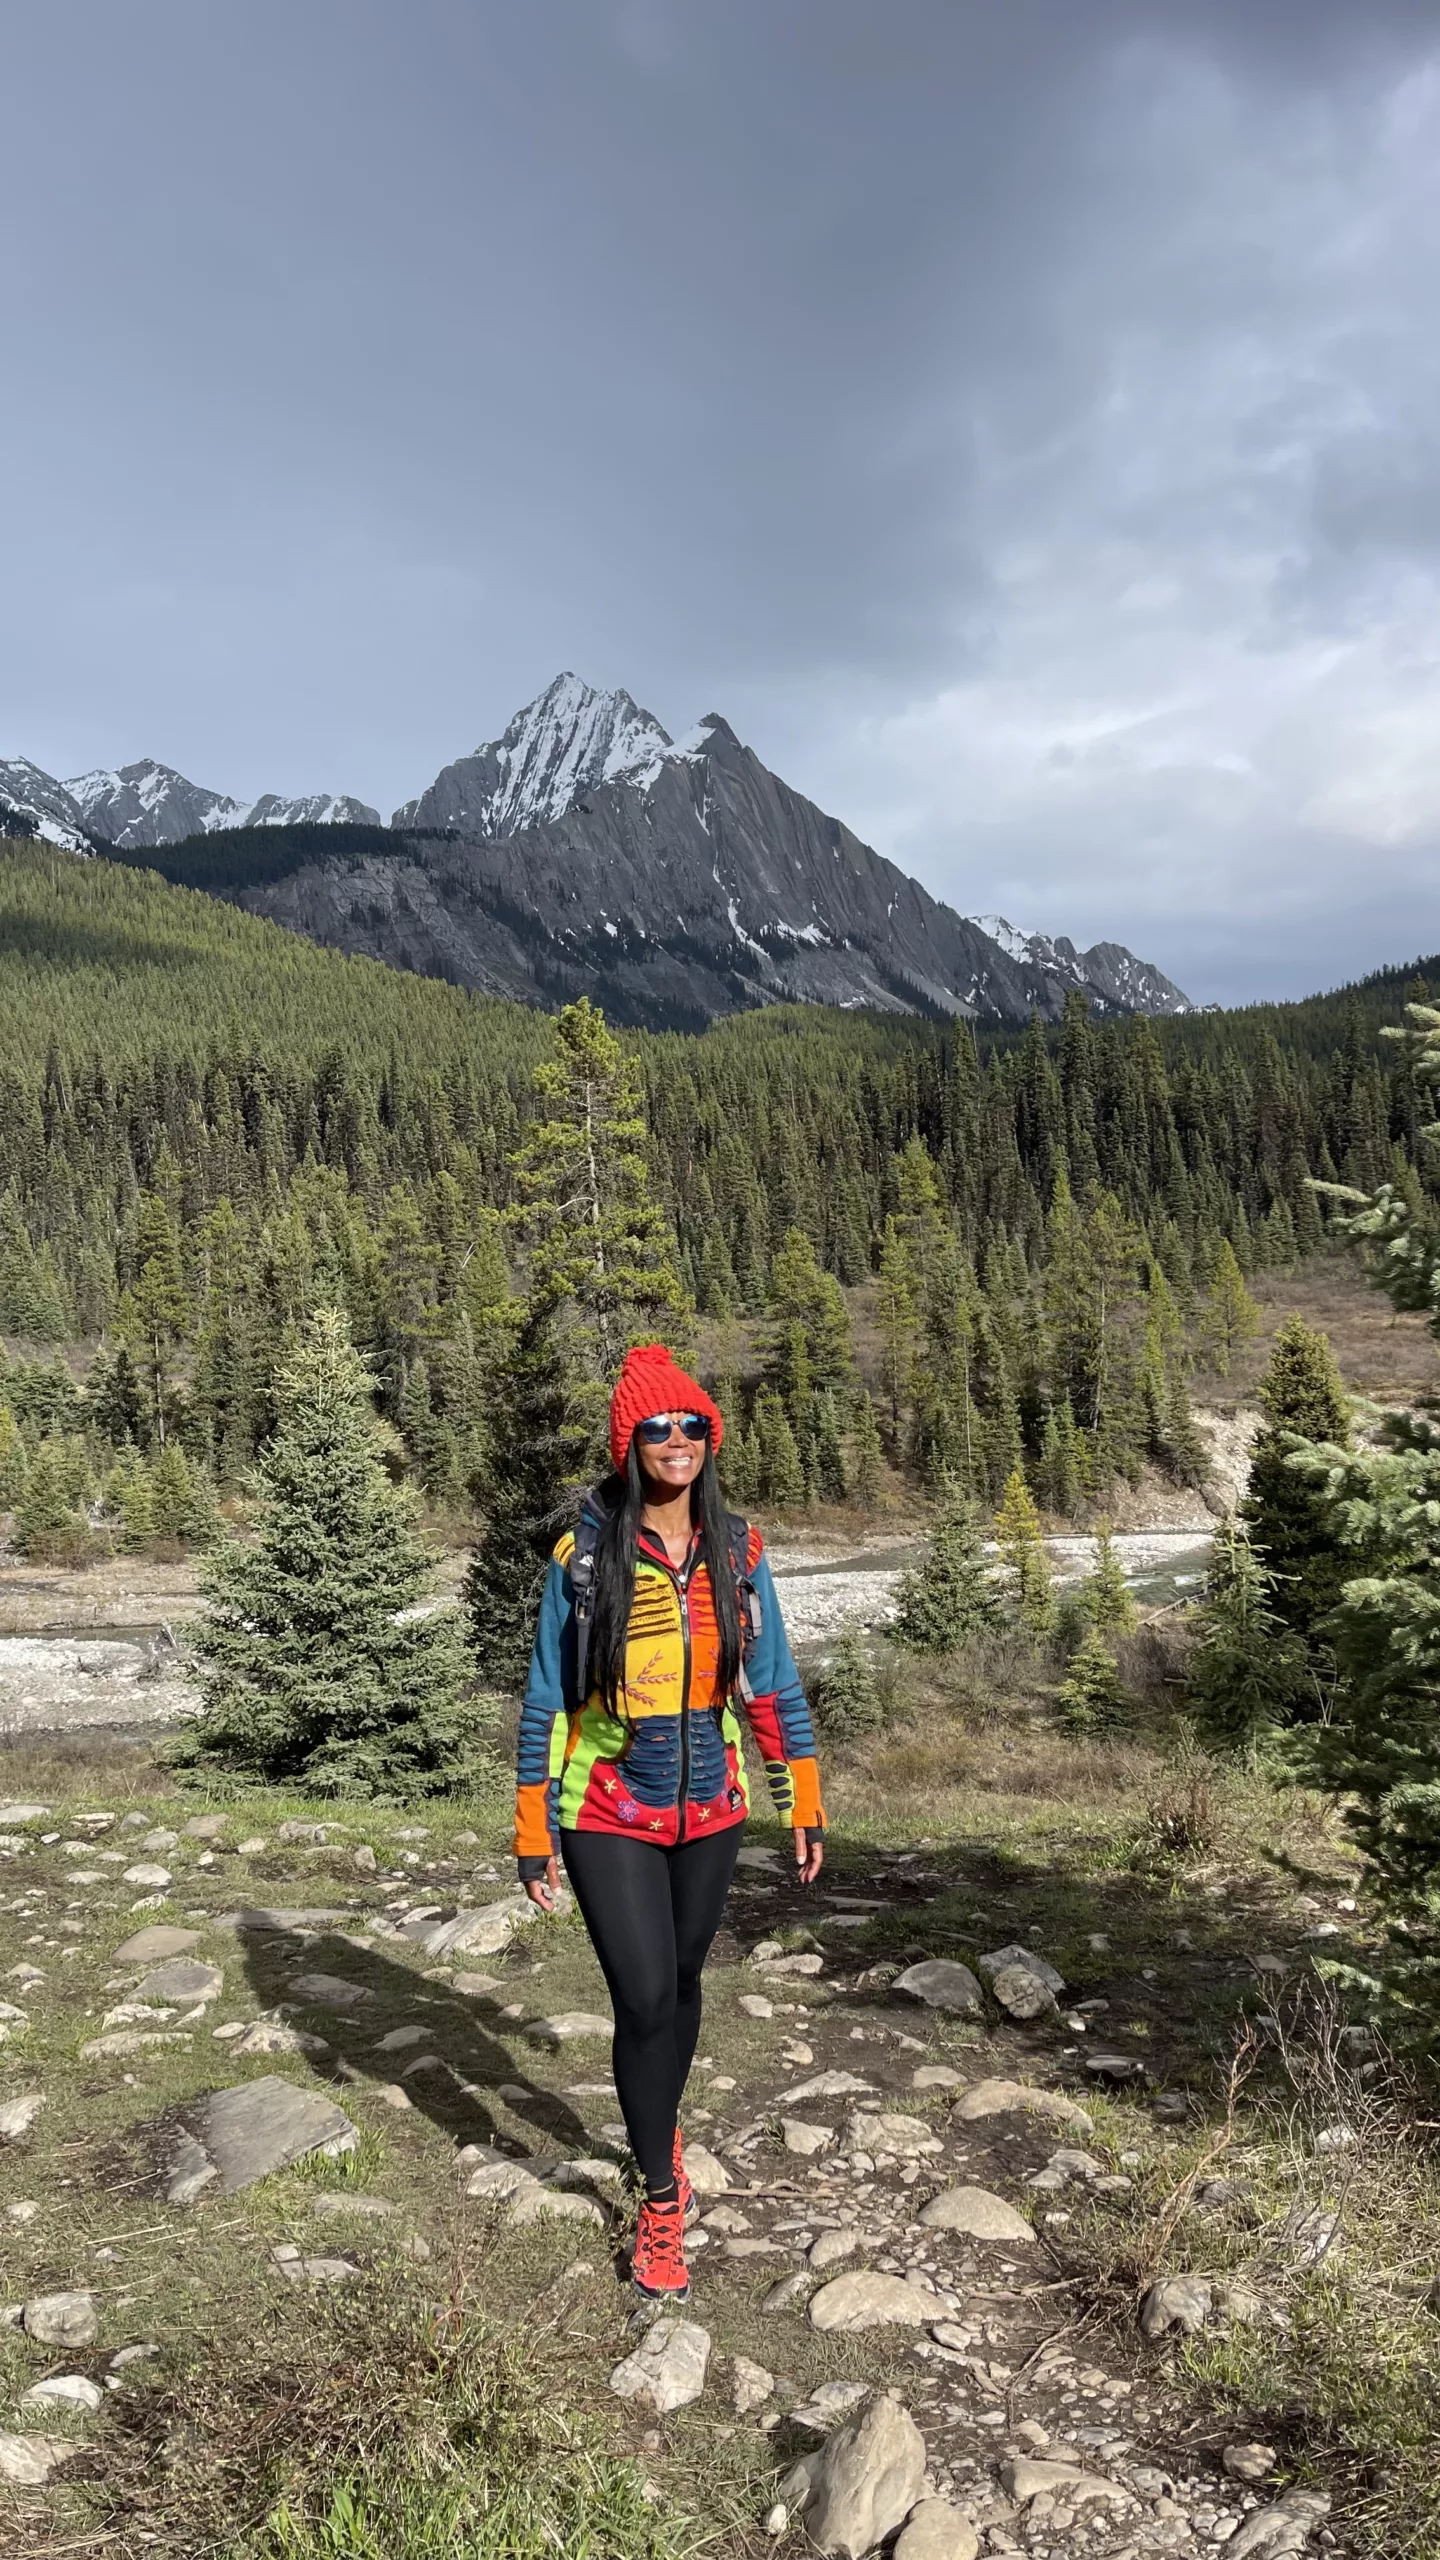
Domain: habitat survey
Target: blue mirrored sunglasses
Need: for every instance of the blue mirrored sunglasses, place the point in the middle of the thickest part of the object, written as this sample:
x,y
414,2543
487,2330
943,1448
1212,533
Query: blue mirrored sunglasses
x,y
656,1429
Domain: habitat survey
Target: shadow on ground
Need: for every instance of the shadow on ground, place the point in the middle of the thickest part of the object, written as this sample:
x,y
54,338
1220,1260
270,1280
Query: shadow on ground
x,y
452,2075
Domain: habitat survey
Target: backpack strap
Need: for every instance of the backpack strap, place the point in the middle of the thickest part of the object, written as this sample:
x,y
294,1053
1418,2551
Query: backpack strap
x,y
737,1530
582,1586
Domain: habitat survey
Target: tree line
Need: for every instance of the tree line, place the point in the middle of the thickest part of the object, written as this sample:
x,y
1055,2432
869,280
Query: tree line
x,y
209,1129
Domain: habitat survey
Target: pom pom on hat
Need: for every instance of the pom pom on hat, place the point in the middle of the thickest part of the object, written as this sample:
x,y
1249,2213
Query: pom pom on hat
x,y
651,1381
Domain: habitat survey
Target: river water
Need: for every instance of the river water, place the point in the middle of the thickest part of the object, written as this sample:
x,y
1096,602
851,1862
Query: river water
x,y
73,1674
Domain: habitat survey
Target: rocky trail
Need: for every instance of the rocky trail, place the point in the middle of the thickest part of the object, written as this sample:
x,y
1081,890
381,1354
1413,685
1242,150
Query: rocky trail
x,y
244,2058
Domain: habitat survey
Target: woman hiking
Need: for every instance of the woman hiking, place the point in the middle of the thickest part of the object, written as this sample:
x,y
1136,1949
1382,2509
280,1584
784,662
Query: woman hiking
x,y
658,1615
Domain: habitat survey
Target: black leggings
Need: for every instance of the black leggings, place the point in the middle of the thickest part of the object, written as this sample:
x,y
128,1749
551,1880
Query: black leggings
x,y
651,1914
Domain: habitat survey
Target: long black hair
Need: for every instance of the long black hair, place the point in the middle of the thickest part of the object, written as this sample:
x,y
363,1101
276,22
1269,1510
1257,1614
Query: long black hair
x,y
622,1498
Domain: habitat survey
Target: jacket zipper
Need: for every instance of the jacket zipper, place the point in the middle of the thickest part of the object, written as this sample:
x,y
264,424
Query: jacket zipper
x,y
680,1576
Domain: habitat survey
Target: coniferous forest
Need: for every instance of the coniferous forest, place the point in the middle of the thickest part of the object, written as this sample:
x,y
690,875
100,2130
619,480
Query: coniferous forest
x,y
210,1128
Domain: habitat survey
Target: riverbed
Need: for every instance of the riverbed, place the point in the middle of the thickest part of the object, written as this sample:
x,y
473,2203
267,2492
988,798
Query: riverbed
x,y
107,1647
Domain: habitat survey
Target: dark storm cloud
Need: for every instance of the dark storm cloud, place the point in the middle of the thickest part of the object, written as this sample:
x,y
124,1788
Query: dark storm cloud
x,y
1021,421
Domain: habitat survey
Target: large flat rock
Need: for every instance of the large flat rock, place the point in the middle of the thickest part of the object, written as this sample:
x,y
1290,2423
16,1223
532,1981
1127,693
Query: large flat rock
x,y
250,2131
1019,2097
154,1946
873,2301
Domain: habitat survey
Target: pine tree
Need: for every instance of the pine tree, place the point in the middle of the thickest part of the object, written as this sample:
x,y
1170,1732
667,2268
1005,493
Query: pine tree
x,y
182,1502
129,1493
1303,1399
779,1472
115,1404
529,1497
12,1459
155,1310
867,1456
848,1702
1092,1698
827,1452
1104,1596
896,1301
1247,1673
600,1252
1022,1549
1229,1317
1059,1471
48,1520
951,1595
312,1669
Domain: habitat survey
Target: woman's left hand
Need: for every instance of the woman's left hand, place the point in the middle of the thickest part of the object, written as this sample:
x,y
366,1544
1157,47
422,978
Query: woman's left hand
x,y
808,1860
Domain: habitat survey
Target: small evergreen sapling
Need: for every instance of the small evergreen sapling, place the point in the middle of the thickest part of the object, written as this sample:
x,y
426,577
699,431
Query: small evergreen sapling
x,y
1104,1596
848,1703
312,1668
1017,1530
1092,1697
1248,1673
950,1596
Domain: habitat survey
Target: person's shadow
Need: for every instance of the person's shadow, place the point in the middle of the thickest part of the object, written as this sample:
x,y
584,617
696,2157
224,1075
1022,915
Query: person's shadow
x,y
458,2089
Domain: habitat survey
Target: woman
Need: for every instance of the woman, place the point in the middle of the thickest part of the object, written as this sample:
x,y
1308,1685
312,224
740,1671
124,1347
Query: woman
x,y
658,1613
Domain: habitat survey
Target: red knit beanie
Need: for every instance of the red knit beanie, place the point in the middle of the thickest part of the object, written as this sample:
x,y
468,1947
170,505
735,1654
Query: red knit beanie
x,y
651,1382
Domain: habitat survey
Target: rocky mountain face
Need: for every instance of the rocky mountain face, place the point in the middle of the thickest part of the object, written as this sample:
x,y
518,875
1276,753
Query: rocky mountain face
x,y
149,803
586,852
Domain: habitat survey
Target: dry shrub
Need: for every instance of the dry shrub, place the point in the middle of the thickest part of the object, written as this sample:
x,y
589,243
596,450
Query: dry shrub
x,y
1182,1816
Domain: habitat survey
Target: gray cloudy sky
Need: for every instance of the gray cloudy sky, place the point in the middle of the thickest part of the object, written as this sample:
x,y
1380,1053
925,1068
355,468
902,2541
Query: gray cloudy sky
x,y
1022,420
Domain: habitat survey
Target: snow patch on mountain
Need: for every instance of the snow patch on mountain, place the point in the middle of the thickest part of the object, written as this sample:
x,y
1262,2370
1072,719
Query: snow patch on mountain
x,y
569,740
38,805
1011,938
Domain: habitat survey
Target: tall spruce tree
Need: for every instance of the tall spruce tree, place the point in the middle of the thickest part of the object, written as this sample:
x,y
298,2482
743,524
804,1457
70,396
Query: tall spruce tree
x,y
1376,1748
1303,1399
950,1596
599,1254
154,1313
600,1275
312,1667
867,1455
542,1446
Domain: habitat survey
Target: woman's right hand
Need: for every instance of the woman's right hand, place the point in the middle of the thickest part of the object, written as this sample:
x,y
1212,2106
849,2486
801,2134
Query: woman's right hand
x,y
542,1890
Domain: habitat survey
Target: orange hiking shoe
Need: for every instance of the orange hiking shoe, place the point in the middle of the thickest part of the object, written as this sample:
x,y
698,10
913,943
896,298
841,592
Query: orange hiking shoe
x,y
688,2200
658,2268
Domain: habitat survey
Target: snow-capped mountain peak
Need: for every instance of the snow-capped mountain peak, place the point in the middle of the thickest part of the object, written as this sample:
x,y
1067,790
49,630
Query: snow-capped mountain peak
x,y
569,740
149,803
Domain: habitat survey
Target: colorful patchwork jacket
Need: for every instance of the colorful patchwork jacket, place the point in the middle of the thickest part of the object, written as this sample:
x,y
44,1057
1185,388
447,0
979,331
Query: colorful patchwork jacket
x,y
683,1771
